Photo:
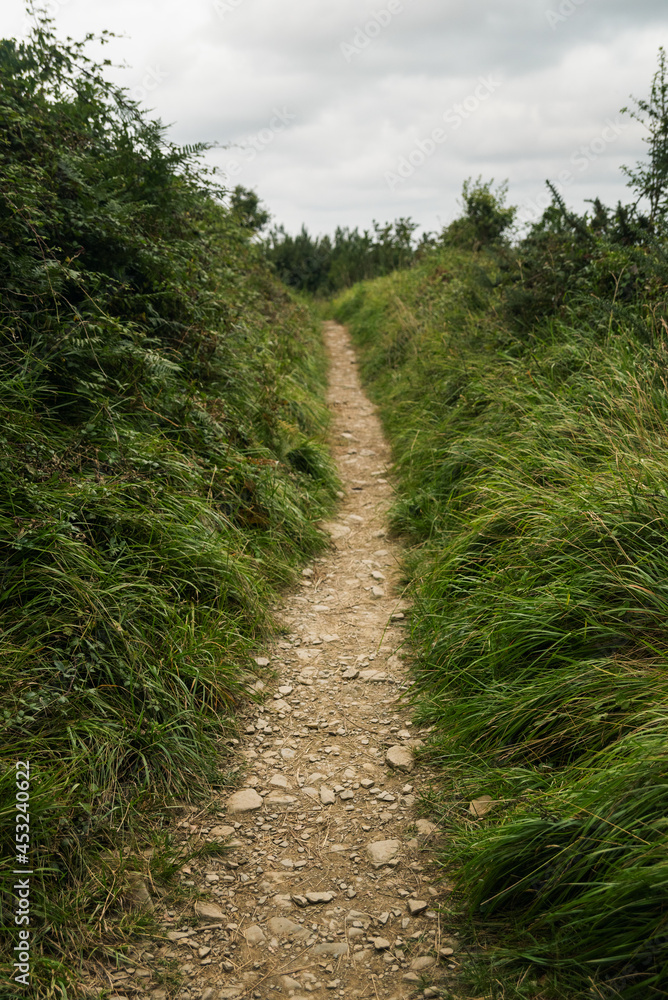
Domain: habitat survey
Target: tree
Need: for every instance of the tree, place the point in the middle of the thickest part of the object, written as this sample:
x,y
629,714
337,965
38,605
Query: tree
x,y
486,216
245,206
650,178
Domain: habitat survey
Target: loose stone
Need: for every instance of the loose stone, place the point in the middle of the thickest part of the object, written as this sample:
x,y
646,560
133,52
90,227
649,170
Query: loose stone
x,y
244,801
400,758
382,852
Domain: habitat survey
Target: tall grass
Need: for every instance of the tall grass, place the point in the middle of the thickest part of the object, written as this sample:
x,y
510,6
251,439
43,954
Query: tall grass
x,y
533,484
162,473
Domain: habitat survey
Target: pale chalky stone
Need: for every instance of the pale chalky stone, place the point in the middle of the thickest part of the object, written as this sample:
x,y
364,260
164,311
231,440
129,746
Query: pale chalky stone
x,y
222,831
209,911
422,963
424,827
254,935
244,801
382,852
480,807
399,758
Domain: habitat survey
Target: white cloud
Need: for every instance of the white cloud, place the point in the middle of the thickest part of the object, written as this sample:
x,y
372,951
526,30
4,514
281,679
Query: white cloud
x,y
221,74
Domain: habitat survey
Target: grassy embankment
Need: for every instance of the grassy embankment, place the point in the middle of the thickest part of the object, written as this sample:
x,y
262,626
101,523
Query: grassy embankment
x,y
161,475
532,466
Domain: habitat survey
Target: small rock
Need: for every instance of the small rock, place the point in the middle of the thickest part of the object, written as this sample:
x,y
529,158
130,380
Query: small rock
x,y
377,575
300,900
254,935
411,977
416,906
347,794
335,948
350,674
373,675
424,827
422,962
261,661
283,927
381,944
279,799
279,781
209,912
319,897
400,758
383,852
327,796
244,801
377,593
289,984
137,896
480,807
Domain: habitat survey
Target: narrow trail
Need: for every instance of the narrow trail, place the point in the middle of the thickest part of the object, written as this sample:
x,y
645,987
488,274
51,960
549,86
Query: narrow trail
x,y
327,891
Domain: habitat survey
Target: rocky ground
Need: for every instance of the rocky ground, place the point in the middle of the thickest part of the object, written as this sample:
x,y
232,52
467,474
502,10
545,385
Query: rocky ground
x,y
327,890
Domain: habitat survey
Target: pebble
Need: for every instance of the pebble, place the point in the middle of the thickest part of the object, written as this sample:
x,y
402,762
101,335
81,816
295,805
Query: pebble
x,y
424,827
400,758
480,807
319,897
416,906
244,801
254,935
209,911
283,927
381,944
422,962
382,852
222,831
327,796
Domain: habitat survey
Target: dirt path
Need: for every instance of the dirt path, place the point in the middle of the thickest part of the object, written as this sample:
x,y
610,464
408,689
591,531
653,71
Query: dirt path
x,y
327,892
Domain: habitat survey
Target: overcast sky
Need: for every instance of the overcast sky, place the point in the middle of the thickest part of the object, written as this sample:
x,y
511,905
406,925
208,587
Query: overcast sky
x,y
338,112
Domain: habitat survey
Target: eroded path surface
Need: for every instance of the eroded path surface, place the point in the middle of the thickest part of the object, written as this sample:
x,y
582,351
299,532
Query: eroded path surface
x,y
327,891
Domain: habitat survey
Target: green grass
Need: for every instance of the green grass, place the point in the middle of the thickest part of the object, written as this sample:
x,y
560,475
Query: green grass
x,y
162,474
532,484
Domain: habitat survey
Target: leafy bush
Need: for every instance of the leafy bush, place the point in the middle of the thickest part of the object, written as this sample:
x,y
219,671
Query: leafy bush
x,y
162,473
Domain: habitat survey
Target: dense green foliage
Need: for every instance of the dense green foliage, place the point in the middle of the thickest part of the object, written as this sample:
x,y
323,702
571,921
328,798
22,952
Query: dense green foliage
x,y
161,474
525,394
320,265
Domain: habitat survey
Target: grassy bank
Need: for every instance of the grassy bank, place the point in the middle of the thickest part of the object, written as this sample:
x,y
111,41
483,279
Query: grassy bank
x,y
161,474
531,454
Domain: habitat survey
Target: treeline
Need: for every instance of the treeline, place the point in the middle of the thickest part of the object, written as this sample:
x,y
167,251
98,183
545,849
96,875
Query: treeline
x,y
524,390
161,475
321,265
